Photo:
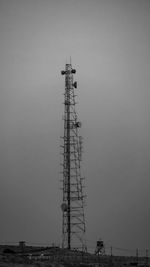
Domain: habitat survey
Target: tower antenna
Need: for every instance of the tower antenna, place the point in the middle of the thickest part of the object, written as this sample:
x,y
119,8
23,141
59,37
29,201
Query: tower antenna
x,y
73,226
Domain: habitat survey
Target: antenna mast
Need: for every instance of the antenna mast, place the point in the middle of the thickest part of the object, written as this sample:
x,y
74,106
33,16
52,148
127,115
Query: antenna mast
x,y
73,228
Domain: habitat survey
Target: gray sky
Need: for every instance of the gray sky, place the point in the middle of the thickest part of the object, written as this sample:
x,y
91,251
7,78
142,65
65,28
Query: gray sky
x,y
109,44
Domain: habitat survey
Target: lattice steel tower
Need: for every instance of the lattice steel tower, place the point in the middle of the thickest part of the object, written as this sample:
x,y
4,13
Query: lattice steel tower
x,y
73,227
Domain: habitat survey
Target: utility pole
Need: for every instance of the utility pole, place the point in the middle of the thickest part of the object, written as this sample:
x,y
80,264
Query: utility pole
x,y
73,227
137,255
146,257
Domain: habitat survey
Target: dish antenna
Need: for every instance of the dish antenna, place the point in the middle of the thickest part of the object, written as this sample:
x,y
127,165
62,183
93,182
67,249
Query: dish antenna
x,y
64,207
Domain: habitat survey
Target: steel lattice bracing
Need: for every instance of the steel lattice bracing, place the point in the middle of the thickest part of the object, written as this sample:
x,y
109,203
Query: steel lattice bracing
x,y
73,228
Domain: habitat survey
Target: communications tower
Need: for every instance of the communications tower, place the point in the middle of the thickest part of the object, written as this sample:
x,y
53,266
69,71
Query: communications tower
x,y
73,225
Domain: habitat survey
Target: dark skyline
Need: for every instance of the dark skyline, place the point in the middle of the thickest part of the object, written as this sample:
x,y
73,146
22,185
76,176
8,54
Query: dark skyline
x,y
109,45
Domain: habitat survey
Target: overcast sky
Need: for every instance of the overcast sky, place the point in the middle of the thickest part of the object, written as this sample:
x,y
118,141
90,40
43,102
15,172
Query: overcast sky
x,y
109,42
